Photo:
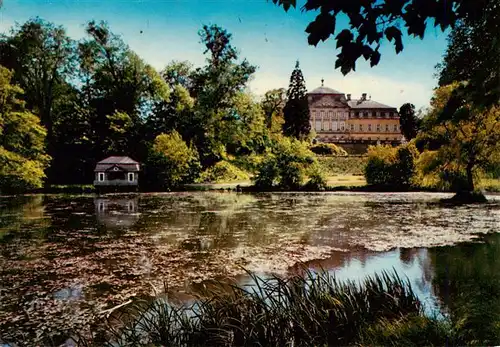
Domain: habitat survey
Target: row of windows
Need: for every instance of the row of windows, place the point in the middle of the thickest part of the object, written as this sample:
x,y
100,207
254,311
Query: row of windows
x,y
331,114
368,114
379,128
336,126
341,126
358,114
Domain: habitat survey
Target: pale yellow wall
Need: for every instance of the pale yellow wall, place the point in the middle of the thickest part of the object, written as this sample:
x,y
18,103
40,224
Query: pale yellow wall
x,y
331,114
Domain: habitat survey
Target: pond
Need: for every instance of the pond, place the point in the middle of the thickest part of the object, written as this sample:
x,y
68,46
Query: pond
x,y
65,258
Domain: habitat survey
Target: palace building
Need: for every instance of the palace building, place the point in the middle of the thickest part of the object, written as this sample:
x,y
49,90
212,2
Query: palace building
x,y
337,118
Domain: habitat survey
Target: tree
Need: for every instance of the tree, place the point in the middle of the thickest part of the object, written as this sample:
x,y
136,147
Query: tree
x,y
391,166
372,22
42,58
409,121
273,103
215,89
115,81
171,162
287,165
296,111
473,55
470,138
22,141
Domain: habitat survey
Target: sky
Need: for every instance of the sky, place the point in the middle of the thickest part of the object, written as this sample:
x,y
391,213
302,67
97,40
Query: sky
x,y
160,31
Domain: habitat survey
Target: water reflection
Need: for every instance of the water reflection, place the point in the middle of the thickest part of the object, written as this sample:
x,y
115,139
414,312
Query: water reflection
x,y
76,255
117,212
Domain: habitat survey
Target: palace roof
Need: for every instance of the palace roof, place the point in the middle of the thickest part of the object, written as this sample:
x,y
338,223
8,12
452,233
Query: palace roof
x,y
124,163
367,104
324,90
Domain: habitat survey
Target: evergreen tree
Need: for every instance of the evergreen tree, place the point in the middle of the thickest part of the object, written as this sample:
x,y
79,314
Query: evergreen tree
x,y
409,121
296,111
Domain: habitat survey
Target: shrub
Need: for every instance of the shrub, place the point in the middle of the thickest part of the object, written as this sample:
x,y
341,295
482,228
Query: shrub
x,y
268,174
287,166
391,165
171,162
223,171
317,179
328,149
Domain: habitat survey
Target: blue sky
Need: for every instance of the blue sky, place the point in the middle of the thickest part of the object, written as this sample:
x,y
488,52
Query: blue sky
x,y
264,34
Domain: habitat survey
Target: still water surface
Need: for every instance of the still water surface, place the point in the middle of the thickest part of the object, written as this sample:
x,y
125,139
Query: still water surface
x,y
64,258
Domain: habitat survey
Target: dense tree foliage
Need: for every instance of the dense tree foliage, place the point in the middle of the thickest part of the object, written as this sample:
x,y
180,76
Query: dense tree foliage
x,y
96,97
392,166
409,121
273,103
296,111
22,148
170,163
372,22
287,165
473,56
470,139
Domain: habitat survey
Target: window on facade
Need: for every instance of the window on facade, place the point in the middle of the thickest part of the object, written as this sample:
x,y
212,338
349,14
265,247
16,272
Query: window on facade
x,y
378,127
378,114
326,125
361,127
387,127
130,176
352,127
318,125
365,114
387,114
395,128
369,127
100,176
356,114
334,126
342,126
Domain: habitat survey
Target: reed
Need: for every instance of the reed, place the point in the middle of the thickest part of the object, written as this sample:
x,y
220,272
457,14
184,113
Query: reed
x,y
310,309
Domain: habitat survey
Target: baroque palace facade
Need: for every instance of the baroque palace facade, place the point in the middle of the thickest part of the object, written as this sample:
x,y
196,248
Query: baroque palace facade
x,y
337,118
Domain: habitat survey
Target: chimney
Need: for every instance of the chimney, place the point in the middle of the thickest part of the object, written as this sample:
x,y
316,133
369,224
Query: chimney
x,y
348,97
363,96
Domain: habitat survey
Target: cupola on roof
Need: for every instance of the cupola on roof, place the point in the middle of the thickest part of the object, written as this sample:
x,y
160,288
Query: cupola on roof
x,y
324,90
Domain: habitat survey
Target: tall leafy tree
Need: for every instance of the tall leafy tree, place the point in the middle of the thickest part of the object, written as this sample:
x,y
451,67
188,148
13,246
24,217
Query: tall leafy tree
x,y
470,140
117,82
409,121
215,89
42,58
296,111
273,103
473,56
372,22
22,140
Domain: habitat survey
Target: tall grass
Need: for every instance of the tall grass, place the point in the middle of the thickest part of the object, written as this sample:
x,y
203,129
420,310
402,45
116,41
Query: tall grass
x,y
312,309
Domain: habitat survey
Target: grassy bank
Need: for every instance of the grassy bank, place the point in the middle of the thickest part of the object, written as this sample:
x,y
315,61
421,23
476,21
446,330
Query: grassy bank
x,y
350,165
305,310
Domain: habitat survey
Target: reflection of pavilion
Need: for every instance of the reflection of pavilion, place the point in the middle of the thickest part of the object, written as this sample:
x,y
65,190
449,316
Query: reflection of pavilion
x,y
117,212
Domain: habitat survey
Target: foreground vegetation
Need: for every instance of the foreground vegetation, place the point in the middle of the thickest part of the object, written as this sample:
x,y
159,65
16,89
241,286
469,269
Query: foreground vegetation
x,y
314,309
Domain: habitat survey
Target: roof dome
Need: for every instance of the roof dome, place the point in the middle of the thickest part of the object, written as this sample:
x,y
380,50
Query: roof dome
x,y
324,90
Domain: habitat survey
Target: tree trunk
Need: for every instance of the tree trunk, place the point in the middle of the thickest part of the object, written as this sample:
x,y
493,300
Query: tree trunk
x,y
470,178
